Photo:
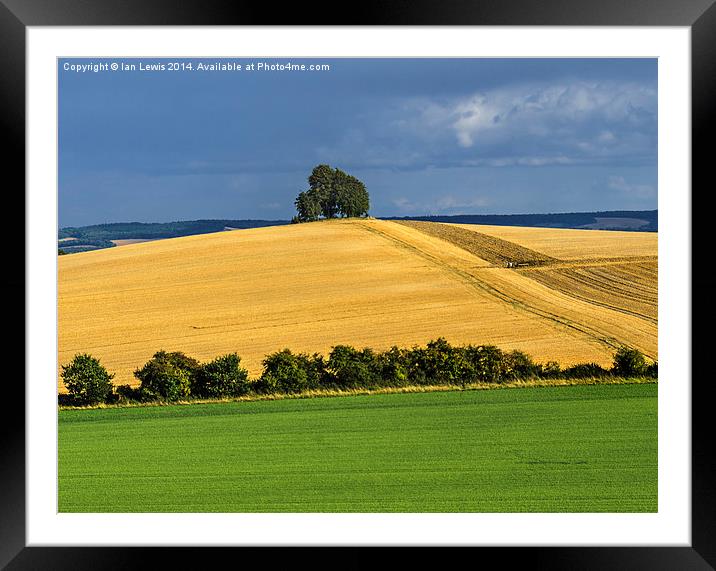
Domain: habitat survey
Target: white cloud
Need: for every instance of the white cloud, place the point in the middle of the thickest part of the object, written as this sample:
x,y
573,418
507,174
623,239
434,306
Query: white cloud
x,y
447,203
640,190
535,124
450,202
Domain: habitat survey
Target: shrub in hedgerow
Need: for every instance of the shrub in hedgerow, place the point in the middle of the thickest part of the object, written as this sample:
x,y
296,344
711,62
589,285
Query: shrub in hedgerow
x,y
87,381
550,370
167,376
392,368
652,370
585,371
127,393
350,368
628,362
438,363
518,365
414,362
287,372
443,363
222,377
486,363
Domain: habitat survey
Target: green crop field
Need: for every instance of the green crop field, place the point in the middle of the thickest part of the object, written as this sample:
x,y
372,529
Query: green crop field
x,y
557,449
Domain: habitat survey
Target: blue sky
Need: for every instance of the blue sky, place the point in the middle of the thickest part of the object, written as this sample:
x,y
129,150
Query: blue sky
x,y
427,136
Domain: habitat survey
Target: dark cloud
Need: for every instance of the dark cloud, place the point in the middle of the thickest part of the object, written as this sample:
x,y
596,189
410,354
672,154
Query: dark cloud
x,y
427,136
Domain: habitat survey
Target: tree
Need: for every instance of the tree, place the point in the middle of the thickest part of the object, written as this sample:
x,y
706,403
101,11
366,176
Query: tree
x,y
308,207
323,189
352,198
331,193
87,381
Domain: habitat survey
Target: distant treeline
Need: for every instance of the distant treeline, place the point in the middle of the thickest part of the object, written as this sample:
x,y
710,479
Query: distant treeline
x,y
99,235
560,220
82,245
176,376
156,230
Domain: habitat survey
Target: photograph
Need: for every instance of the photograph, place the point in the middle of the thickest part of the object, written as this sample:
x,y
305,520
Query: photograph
x,y
357,285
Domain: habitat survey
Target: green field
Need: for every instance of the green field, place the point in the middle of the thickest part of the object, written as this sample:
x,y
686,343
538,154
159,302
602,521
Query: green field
x,y
557,449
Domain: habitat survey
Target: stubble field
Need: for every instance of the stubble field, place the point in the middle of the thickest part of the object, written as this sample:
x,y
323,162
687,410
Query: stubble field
x,y
580,294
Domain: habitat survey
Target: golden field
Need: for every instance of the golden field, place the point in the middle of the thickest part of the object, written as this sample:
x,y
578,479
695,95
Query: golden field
x,y
361,282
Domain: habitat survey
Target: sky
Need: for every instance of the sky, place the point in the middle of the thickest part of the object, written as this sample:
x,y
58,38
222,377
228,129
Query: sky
x,y
426,136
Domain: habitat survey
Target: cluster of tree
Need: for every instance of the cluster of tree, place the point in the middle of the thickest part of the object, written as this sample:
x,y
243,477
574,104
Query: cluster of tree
x,y
167,376
175,376
332,193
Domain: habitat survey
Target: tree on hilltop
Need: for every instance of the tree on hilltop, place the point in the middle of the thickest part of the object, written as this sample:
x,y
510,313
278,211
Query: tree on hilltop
x,y
332,193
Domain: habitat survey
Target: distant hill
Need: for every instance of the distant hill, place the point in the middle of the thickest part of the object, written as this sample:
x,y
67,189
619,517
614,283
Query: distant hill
x,y
640,220
156,230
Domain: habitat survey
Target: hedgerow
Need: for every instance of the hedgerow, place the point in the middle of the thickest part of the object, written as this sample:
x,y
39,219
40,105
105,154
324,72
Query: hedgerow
x,y
176,376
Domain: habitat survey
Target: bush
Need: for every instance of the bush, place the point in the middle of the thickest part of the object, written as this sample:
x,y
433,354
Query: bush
x,y
167,376
585,371
87,381
444,364
629,362
413,360
286,372
437,363
127,393
351,368
485,363
222,377
392,367
652,370
518,365
551,370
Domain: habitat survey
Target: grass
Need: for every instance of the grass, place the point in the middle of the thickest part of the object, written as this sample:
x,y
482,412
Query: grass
x,y
552,449
366,283
318,393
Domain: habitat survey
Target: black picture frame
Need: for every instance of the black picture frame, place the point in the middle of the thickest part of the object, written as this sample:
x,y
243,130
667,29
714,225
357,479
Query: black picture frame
x,y
699,15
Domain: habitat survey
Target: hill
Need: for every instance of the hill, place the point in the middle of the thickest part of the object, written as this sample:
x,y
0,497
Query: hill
x,y
565,295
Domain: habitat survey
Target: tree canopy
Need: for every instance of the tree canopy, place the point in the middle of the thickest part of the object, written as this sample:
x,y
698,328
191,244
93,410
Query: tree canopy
x,y
332,193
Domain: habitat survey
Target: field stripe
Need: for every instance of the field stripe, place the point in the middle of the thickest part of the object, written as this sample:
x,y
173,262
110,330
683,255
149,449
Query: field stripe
x,y
495,250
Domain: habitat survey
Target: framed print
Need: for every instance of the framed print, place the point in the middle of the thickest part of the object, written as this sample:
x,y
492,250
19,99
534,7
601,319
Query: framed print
x,y
405,282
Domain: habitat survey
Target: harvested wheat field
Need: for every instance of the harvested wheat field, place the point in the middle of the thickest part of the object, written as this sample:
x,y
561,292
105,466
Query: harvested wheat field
x,y
361,282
